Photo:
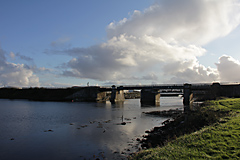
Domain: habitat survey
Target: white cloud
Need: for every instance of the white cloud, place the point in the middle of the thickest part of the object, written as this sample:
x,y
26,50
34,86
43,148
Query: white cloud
x,y
190,71
150,76
164,40
124,55
195,21
228,69
15,74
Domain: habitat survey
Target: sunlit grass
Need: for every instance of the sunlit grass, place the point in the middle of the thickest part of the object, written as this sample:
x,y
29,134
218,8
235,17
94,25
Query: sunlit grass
x,y
220,140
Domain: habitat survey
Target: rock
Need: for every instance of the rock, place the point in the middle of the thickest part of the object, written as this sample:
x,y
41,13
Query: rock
x,y
108,121
147,131
83,126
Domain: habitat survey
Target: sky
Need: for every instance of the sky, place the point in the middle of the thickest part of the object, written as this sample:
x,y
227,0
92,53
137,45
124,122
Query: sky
x,y
64,43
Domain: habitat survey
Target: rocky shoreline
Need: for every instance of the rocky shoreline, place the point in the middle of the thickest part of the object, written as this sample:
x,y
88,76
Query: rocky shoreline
x,y
179,124
173,113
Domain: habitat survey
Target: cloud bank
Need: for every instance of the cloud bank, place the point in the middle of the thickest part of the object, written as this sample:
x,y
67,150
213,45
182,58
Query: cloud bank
x,y
160,44
228,69
188,22
16,74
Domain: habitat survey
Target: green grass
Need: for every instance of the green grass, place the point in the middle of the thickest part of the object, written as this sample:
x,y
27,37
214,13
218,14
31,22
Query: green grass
x,y
220,140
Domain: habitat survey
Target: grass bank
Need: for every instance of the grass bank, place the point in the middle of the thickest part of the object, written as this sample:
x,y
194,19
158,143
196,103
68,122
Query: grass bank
x,y
219,139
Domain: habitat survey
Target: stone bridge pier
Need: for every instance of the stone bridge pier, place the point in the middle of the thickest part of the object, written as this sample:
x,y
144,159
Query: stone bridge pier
x,y
187,96
117,95
187,91
150,97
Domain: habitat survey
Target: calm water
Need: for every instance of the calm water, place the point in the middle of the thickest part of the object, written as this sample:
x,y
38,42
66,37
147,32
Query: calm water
x,y
60,130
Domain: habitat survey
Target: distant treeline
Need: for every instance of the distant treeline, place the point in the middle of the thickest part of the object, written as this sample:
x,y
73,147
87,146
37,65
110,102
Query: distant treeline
x,y
38,94
53,94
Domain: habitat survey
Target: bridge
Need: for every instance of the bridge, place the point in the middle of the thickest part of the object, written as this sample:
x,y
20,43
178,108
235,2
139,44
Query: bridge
x,y
150,94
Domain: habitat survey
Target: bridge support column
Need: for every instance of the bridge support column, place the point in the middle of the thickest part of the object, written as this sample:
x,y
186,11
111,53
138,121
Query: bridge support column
x,y
150,97
216,90
187,95
117,95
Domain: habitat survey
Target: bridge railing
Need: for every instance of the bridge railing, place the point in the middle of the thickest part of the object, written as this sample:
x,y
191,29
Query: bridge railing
x,y
194,86
152,86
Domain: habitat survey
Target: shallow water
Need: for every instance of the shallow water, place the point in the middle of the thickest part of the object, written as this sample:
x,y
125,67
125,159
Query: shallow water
x,y
62,130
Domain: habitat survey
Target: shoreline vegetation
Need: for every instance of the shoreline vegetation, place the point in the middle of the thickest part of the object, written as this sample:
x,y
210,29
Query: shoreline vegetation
x,y
211,131
51,94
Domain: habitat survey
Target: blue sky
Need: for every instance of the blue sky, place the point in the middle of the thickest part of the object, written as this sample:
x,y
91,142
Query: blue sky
x,y
61,43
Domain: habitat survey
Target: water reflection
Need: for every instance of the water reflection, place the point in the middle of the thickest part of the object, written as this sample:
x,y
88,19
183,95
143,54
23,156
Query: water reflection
x,y
117,104
54,130
150,105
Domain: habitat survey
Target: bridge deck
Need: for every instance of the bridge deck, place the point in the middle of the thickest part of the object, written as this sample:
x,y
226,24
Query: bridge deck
x,y
161,87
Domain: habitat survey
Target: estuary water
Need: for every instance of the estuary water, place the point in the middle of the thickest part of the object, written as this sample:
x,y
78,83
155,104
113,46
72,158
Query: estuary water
x,y
64,130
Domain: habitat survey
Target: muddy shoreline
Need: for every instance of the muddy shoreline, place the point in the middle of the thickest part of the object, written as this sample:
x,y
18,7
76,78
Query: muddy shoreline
x,y
178,124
